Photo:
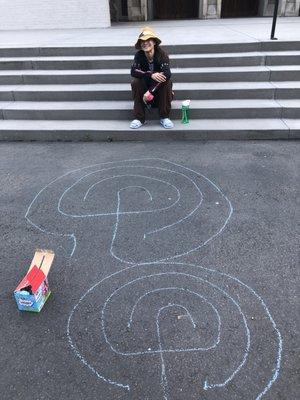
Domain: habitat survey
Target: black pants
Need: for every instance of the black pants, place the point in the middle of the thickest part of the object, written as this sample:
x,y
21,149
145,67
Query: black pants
x,y
162,98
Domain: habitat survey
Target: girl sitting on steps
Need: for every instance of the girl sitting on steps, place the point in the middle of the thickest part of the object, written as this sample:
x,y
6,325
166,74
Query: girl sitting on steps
x,y
151,84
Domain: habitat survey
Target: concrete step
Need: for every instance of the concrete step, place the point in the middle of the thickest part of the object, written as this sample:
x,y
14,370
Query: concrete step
x,y
212,74
287,90
284,72
238,91
113,130
103,110
177,61
121,91
171,49
123,50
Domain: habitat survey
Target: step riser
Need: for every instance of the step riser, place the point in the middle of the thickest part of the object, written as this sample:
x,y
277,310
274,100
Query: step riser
x,y
171,49
260,76
285,76
126,95
113,95
125,50
252,76
218,62
122,64
287,94
283,60
11,80
291,113
128,114
175,63
136,135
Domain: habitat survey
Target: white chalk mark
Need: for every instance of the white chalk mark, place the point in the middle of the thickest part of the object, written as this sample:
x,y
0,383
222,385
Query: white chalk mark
x,y
165,208
185,290
164,379
116,228
82,359
118,176
206,384
134,212
72,236
111,167
246,353
113,213
279,337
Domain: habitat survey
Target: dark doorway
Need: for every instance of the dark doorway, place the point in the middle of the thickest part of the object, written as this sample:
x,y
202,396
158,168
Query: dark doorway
x,y
175,9
239,8
118,10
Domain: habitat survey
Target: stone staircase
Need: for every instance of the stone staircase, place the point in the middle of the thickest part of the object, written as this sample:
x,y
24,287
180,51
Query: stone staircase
x,y
237,91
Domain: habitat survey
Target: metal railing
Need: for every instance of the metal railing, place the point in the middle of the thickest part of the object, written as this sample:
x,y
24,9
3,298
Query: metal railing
x,y
274,20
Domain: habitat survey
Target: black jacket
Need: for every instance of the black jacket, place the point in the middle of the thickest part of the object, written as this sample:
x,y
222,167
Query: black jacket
x,y
140,67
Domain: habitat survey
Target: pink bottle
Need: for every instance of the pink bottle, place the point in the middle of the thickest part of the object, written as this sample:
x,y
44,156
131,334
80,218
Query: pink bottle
x,y
149,96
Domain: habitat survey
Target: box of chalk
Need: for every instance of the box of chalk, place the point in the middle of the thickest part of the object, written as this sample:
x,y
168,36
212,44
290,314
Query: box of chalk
x,y
33,291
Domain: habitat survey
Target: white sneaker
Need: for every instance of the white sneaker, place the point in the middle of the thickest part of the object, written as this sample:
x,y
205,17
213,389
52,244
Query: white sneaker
x,y
166,123
135,124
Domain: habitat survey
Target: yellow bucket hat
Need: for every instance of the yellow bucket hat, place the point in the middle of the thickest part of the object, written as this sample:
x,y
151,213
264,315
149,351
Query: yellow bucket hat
x,y
147,33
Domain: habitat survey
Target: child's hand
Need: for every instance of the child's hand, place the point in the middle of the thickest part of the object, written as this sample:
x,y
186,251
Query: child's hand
x,y
159,77
147,97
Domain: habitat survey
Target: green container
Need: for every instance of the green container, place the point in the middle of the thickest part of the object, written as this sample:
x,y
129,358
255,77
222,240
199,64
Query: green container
x,y
185,114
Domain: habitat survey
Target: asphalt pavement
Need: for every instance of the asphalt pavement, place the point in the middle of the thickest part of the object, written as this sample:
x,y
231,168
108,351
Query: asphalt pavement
x,y
176,273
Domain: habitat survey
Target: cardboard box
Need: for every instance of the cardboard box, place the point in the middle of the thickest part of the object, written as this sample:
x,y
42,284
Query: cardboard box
x,y
33,290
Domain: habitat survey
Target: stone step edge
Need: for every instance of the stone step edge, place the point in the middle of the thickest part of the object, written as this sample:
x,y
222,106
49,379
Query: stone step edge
x,y
109,50
120,125
124,87
123,105
180,70
277,130
129,57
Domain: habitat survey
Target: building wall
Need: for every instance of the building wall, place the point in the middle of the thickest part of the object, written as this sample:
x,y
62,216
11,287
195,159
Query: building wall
x,y
290,8
54,14
135,11
287,8
212,8
66,14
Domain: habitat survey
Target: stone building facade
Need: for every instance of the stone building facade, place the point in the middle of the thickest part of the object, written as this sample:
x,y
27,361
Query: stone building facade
x,y
66,14
144,10
53,14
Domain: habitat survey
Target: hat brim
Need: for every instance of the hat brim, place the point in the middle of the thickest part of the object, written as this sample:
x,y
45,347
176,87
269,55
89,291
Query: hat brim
x,y
147,37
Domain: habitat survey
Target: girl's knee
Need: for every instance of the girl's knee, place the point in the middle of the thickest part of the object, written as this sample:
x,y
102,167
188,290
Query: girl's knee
x,y
137,83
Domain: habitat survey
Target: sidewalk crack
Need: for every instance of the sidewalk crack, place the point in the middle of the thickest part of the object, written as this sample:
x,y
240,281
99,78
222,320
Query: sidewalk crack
x,y
281,116
270,71
275,90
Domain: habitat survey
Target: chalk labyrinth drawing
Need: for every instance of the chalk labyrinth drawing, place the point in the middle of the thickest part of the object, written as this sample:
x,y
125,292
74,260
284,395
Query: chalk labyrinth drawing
x,y
156,309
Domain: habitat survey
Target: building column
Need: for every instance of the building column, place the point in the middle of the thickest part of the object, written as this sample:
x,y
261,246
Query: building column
x,y
210,9
150,12
266,7
114,10
137,10
291,8
287,8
